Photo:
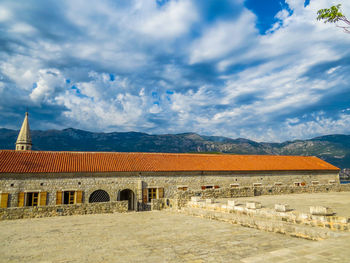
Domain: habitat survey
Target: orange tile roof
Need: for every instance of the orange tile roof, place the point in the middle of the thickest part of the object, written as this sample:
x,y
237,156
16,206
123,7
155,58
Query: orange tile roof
x,y
73,162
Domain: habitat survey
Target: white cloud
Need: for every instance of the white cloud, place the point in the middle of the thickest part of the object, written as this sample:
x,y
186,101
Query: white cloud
x,y
170,21
222,38
49,82
5,14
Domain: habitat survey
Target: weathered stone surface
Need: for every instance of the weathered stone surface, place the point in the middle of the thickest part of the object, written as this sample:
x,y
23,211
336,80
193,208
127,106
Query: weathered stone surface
x,y
253,205
321,210
209,201
231,203
282,207
63,210
195,199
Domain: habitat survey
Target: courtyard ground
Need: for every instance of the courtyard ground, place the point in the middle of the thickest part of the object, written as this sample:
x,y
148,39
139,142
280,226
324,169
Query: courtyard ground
x,y
161,237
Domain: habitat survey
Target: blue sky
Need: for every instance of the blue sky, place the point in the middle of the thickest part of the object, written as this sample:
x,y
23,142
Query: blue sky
x,y
263,70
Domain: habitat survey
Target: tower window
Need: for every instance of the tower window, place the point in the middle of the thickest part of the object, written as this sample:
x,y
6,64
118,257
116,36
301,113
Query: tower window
x,y
22,147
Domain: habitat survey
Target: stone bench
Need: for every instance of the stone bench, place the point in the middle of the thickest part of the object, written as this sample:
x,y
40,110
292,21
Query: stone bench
x,y
282,208
253,205
321,211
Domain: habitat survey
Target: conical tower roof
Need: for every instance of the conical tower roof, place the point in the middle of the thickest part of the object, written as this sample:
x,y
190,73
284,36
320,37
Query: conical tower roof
x,y
24,134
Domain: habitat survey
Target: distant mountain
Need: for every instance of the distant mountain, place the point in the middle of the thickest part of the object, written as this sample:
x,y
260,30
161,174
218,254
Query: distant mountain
x,y
331,148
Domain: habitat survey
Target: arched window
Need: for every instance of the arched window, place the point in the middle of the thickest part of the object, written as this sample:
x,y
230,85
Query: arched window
x,y
99,196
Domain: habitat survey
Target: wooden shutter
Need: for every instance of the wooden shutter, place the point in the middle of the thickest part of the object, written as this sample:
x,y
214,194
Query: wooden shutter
x,y
20,199
144,195
4,200
79,197
43,198
58,197
160,192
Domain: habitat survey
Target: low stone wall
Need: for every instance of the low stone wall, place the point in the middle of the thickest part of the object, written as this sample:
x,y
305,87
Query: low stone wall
x,y
291,223
63,210
184,196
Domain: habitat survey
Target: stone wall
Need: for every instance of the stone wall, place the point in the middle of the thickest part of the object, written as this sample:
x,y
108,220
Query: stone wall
x,y
63,210
288,222
114,183
183,197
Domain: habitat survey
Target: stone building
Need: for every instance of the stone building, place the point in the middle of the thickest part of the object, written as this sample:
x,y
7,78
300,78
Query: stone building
x,y
48,178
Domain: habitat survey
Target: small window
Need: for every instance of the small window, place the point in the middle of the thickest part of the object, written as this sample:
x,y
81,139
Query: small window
x,y
216,187
234,185
68,197
152,194
302,183
331,182
22,147
297,183
182,188
315,182
32,199
278,184
257,184
204,187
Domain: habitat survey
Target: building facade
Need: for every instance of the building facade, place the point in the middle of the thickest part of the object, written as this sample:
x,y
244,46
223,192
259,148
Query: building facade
x,y
44,178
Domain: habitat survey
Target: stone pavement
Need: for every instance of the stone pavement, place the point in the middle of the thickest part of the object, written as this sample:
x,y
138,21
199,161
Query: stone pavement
x,y
134,237
168,237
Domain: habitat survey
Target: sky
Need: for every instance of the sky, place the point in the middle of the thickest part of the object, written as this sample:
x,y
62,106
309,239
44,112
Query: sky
x,y
261,70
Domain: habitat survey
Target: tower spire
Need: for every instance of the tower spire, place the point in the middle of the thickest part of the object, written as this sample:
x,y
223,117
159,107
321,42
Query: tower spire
x,y
24,140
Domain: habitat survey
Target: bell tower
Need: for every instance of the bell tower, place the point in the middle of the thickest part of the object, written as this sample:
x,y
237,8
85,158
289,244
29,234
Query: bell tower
x,y
24,140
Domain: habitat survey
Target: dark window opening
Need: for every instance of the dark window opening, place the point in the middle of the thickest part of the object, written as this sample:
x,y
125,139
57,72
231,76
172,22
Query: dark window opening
x,y
99,196
32,199
68,197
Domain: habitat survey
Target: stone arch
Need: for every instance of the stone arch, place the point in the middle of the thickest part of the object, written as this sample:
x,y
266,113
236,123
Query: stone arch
x,y
99,196
128,195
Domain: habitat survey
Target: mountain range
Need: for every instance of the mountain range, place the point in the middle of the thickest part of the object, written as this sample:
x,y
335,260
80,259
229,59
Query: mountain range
x,y
334,149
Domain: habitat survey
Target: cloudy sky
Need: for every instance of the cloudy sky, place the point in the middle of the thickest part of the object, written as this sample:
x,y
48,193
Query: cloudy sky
x,y
263,70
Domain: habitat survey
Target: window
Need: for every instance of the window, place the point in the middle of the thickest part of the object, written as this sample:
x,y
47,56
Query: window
x,y
234,185
32,199
297,183
182,188
331,182
68,197
204,187
257,184
216,186
278,184
302,183
315,182
152,193
22,147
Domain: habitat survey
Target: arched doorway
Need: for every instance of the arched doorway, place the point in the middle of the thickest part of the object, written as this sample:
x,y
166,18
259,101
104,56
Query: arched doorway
x,y
129,195
99,196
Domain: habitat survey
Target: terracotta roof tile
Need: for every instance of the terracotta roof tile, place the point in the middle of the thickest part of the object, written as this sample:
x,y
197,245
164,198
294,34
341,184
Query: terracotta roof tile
x,y
70,162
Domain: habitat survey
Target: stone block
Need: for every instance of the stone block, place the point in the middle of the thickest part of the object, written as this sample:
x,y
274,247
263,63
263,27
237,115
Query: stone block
x,y
231,203
282,207
195,199
321,210
253,205
209,201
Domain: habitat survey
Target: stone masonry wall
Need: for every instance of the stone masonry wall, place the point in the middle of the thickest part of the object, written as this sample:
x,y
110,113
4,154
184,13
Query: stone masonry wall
x,y
183,197
63,210
114,183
